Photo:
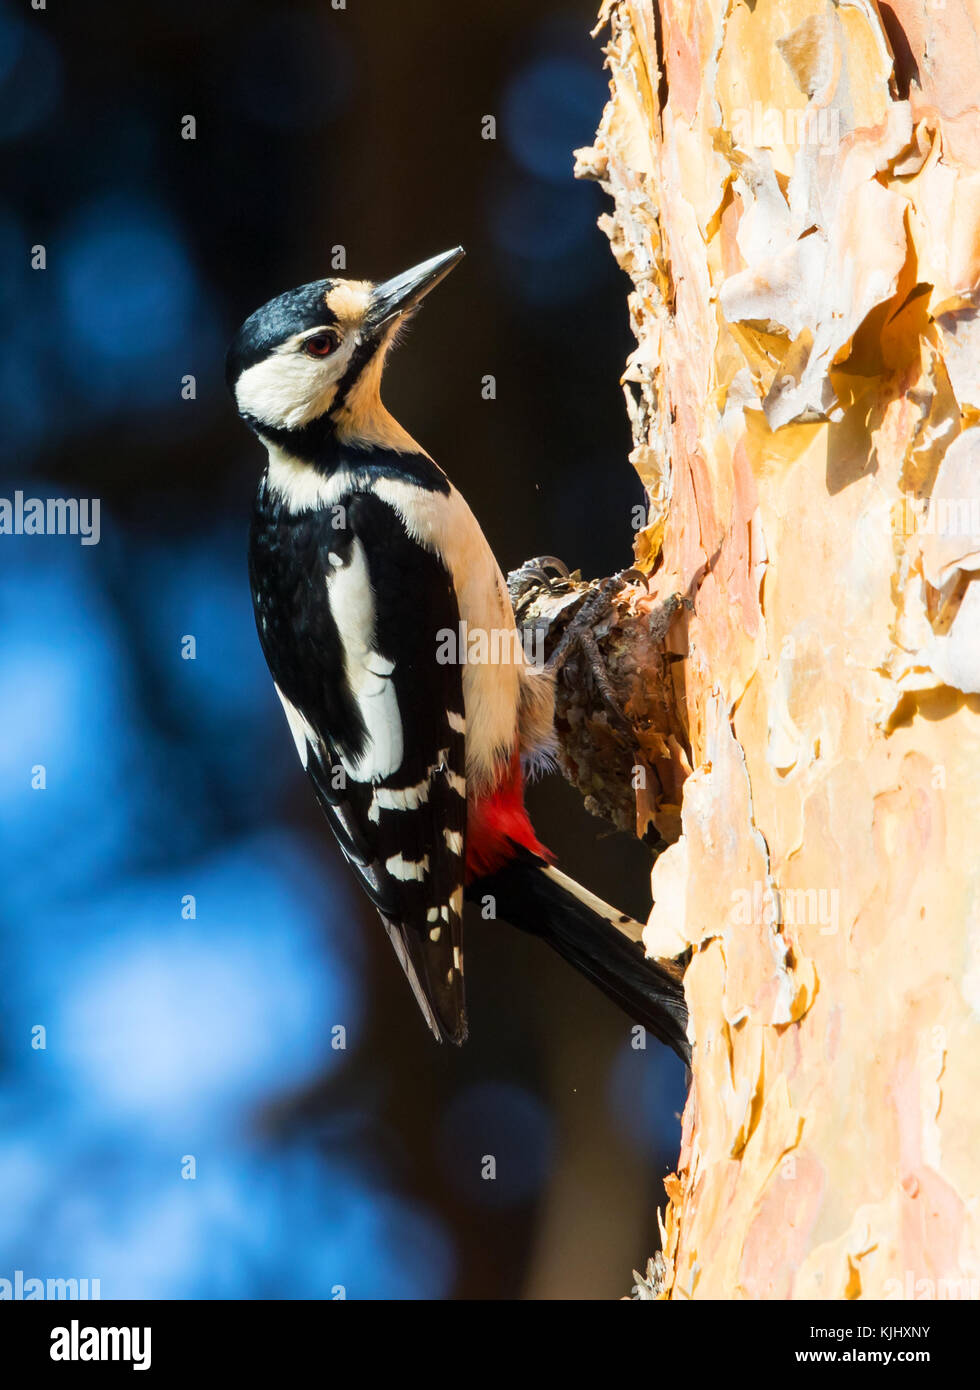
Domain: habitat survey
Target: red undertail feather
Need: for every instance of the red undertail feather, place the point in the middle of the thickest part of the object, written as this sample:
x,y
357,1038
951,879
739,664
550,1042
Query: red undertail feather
x,y
497,822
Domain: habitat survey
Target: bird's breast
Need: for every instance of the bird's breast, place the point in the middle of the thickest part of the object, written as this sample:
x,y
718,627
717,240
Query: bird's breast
x,y
491,656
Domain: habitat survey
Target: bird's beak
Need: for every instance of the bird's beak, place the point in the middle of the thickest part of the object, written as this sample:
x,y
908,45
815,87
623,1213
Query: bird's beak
x,y
396,296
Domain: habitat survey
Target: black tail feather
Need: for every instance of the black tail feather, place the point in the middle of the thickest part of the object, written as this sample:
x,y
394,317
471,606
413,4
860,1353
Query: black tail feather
x,y
543,902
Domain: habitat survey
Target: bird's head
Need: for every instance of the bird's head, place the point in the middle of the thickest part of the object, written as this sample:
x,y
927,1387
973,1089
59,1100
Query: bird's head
x,y
308,364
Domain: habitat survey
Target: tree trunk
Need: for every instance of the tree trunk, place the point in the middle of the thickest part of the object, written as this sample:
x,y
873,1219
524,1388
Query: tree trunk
x,y
797,202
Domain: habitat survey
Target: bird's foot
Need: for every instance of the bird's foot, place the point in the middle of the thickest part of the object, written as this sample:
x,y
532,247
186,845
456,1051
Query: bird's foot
x,y
580,633
543,572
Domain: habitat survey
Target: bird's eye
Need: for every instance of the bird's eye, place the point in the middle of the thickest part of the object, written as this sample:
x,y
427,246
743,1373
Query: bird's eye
x,y
320,345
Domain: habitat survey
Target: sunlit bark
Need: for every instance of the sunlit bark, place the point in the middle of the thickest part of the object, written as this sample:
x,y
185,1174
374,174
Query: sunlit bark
x,y
796,198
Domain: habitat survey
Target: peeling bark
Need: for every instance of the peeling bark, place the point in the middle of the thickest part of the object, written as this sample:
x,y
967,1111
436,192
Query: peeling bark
x,y
796,192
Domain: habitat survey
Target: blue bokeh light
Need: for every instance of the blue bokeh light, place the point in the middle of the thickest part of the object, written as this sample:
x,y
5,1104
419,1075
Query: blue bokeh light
x,y
30,77
172,1021
648,1092
126,283
255,1220
65,705
550,107
503,1122
543,233
167,1035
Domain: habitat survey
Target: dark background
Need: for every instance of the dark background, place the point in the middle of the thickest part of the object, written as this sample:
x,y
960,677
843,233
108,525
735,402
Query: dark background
x,y
168,1037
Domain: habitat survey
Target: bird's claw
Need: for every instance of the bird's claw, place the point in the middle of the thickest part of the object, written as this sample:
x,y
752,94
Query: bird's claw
x,y
542,567
543,572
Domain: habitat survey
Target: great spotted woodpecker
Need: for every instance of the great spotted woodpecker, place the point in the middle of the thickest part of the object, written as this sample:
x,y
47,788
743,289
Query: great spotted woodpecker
x,y
362,557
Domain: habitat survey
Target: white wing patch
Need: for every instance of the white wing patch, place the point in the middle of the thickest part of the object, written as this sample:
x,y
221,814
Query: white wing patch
x,y
368,673
399,798
442,914
407,869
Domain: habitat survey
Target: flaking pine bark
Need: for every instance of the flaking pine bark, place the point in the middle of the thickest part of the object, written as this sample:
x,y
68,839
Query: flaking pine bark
x,y
796,198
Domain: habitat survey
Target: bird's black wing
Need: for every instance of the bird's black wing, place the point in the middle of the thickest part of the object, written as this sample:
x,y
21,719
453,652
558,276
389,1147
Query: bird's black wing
x,y
353,616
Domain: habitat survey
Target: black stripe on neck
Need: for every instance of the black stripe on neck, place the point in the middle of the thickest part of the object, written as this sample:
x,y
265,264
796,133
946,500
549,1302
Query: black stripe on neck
x,y
317,445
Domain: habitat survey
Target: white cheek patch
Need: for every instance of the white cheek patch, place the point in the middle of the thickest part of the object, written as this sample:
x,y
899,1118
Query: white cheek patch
x,y
368,673
289,389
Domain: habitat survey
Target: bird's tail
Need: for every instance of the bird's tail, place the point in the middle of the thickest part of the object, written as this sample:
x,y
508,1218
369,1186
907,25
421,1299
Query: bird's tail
x,y
541,900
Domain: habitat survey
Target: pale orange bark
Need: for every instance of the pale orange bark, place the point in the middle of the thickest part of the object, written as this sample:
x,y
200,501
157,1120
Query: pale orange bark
x,y
799,211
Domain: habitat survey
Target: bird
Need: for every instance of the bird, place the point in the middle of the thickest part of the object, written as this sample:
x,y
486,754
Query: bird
x,y
364,560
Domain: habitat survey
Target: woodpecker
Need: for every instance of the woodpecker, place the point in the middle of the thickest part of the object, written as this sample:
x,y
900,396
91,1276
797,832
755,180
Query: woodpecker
x,y
362,557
